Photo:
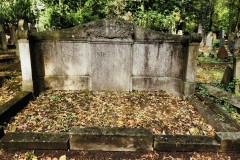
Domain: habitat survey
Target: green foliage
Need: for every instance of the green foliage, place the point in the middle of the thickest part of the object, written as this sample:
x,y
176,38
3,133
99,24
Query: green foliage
x,y
201,89
216,43
231,86
13,10
160,15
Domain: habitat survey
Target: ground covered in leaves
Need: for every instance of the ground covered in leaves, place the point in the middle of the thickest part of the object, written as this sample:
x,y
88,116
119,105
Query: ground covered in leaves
x,y
55,111
10,85
101,155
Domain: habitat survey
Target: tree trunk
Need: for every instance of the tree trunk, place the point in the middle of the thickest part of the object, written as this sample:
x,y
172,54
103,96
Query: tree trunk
x,y
230,17
238,17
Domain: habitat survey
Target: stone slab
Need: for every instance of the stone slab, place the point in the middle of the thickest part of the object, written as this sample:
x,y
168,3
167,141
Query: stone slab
x,y
111,139
214,115
185,143
14,105
67,82
226,96
111,66
230,141
171,85
38,141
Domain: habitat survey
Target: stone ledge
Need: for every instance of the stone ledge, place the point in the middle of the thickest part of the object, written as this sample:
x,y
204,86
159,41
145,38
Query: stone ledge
x,y
111,139
39,141
185,143
230,141
1,132
10,108
213,115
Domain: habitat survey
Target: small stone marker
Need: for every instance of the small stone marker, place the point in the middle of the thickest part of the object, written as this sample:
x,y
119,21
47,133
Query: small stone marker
x,y
230,141
3,41
222,53
111,139
228,75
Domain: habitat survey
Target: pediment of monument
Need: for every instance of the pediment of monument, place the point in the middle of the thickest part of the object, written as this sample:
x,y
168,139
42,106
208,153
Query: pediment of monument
x,y
108,29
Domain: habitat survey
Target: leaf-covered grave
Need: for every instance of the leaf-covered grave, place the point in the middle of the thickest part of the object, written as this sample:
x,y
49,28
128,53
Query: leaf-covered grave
x,y
58,111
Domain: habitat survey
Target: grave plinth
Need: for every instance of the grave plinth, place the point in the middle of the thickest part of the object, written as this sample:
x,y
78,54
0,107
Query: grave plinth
x,y
112,54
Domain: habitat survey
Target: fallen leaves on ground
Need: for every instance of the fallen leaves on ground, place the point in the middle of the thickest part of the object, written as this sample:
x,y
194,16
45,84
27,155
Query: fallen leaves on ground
x,y
58,111
11,85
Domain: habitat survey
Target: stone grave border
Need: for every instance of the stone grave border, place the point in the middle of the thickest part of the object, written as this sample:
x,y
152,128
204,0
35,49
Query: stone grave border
x,y
227,138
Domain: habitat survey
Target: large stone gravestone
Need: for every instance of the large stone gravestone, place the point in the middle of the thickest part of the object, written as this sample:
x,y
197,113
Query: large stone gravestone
x,y
112,54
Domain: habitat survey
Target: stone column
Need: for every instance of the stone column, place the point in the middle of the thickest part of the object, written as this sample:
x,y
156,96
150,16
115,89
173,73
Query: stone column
x,y
3,41
25,59
236,71
189,84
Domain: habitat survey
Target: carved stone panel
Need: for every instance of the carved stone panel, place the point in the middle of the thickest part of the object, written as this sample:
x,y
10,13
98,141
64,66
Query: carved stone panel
x,y
157,60
111,66
66,59
110,29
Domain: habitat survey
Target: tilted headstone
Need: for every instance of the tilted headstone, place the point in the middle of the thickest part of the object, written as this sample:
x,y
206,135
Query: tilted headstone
x,y
3,41
222,52
228,75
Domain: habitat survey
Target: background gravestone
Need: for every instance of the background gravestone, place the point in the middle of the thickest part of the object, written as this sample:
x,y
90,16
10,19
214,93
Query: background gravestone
x,y
12,31
209,39
3,41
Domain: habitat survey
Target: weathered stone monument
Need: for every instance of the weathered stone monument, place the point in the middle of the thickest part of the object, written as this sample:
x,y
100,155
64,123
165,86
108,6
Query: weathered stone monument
x,y
25,59
112,54
3,41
